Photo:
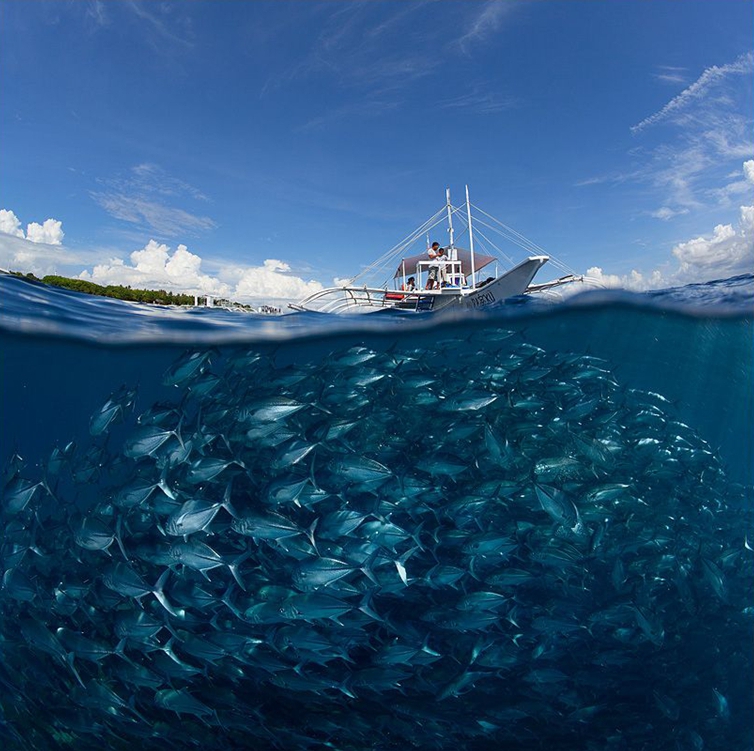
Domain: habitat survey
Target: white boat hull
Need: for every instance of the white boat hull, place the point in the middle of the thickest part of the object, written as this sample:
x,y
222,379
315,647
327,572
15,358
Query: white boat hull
x,y
359,300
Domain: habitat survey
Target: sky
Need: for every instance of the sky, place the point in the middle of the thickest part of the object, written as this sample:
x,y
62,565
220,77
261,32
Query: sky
x,y
261,149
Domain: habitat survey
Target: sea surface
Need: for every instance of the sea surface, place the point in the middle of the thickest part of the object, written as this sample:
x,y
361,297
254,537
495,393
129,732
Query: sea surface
x,y
527,528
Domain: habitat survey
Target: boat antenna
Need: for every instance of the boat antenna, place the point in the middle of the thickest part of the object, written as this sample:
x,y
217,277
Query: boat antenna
x,y
471,238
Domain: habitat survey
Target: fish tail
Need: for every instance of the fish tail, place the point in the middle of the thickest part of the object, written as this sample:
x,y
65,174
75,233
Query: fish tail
x,y
69,662
118,537
160,595
235,571
366,569
227,600
310,534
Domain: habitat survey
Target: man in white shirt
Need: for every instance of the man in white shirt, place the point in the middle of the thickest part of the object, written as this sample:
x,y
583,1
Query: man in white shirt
x,y
435,253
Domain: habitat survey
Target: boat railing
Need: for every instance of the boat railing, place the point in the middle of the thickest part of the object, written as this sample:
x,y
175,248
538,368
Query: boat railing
x,y
344,299
453,270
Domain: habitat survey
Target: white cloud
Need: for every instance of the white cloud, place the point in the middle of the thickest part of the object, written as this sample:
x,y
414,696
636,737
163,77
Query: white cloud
x,y
712,75
666,213
728,251
479,100
157,267
671,74
39,250
682,168
485,23
143,198
50,232
749,171
635,280
10,224
272,282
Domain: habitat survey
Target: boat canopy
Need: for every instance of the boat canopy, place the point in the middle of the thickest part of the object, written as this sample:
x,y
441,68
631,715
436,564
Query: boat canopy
x,y
464,256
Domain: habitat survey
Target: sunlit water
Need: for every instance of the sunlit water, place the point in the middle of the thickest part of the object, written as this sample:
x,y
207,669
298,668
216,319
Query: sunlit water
x,y
523,529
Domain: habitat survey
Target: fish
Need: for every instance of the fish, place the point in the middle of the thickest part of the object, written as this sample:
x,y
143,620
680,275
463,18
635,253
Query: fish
x,y
475,542
112,411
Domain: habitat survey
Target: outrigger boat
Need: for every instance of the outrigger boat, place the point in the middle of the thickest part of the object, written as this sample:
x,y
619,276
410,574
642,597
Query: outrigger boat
x,y
470,280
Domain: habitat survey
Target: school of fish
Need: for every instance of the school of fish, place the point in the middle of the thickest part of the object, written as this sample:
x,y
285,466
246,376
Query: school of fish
x,y
482,545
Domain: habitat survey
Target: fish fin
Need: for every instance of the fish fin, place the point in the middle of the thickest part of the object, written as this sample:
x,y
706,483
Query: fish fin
x,y
345,687
400,563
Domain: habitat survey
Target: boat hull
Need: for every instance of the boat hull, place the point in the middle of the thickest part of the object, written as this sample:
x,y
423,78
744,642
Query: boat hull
x,y
358,300
512,283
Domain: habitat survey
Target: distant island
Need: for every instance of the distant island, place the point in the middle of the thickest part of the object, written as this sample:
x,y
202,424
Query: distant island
x,y
151,296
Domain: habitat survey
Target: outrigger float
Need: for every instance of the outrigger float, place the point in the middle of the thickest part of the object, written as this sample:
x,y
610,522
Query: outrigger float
x,y
463,283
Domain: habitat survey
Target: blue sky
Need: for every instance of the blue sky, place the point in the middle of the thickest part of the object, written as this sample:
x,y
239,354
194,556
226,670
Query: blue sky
x,y
263,148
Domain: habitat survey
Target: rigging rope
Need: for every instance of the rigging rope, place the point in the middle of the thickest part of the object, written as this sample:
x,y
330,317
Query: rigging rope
x,y
508,233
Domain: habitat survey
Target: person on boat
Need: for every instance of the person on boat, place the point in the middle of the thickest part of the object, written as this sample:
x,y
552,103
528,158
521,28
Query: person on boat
x,y
435,253
410,285
439,273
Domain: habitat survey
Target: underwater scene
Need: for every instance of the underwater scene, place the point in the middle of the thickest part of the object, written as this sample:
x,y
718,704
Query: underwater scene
x,y
528,528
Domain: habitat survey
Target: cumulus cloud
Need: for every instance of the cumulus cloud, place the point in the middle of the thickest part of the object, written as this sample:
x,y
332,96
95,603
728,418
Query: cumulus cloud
x,y
50,232
635,280
749,171
38,250
272,281
10,224
156,266
727,251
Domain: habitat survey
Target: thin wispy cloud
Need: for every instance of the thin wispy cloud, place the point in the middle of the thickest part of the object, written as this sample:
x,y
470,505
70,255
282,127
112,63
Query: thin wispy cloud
x,y
162,23
352,111
711,76
147,196
485,23
167,221
671,74
480,101
165,27
711,132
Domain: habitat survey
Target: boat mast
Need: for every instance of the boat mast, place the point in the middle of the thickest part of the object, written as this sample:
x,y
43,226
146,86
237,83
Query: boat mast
x,y
471,238
451,247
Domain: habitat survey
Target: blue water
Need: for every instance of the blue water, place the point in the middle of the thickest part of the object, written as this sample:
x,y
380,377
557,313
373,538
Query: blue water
x,y
596,451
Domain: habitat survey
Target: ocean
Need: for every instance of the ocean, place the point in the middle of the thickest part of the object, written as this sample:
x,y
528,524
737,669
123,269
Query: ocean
x,y
523,528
